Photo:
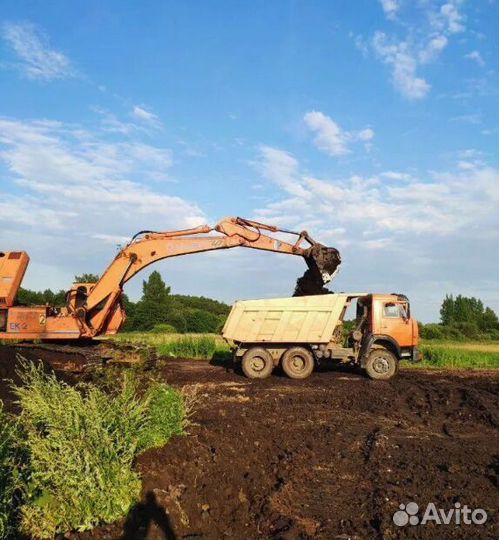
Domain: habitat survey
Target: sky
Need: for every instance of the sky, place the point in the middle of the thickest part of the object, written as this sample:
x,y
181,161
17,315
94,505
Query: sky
x,y
373,125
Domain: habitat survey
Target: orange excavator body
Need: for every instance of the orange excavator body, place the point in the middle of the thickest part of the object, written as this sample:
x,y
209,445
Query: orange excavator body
x,y
94,309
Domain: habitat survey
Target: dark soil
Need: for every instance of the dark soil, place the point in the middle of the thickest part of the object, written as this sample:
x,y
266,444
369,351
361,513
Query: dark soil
x,y
329,457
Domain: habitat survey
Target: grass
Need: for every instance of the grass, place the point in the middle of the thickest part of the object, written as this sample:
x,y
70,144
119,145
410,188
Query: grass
x,y
79,444
482,346
197,346
458,355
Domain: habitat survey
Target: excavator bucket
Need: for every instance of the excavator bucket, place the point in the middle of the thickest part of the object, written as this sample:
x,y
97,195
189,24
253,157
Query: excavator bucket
x,y
323,263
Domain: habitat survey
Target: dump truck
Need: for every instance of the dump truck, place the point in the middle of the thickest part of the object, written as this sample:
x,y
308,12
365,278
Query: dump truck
x,y
299,332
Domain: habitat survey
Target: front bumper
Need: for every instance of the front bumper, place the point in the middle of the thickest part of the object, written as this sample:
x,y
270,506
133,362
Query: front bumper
x,y
417,355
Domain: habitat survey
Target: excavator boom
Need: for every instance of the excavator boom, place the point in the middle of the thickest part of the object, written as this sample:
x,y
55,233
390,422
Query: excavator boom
x,y
95,308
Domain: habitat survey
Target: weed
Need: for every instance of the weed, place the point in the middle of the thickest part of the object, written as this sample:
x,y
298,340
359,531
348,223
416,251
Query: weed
x,y
80,443
8,474
166,416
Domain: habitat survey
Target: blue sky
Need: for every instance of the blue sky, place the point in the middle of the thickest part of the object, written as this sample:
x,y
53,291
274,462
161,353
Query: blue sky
x,y
373,125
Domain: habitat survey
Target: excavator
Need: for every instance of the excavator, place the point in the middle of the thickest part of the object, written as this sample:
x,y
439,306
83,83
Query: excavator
x,y
96,309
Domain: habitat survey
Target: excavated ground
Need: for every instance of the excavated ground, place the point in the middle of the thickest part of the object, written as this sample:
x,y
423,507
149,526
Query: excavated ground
x,y
330,457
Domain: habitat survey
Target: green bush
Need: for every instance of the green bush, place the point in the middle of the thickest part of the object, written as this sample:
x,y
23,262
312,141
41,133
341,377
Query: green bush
x,y
80,443
164,328
458,331
466,329
201,321
432,331
166,416
8,474
190,347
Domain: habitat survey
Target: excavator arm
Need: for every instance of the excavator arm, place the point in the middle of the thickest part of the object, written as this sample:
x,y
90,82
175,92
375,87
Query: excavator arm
x,y
94,309
102,301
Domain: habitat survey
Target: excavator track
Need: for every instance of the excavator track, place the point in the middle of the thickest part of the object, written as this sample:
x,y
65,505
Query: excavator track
x,y
79,358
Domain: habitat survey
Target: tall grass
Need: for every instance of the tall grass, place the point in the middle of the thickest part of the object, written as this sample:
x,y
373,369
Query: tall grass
x,y
198,346
203,347
438,356
8,475
80,443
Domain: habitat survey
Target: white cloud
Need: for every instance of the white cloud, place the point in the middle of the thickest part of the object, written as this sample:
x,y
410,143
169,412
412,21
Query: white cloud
x,y
451,17
281,168
83,186
360,43
394,175
473,118
404,65
433,49
112,238
38,60
403,232
422,44
476,57
390,7
330,137
365,134
142,114
439,204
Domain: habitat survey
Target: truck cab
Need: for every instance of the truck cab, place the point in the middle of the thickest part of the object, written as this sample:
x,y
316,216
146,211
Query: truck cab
x,y
388,327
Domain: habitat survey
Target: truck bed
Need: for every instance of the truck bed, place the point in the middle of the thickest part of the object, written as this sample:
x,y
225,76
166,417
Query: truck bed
x,y
303,319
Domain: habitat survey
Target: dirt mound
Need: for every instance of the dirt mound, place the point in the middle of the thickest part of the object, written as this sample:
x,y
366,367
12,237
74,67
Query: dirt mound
x,y
329,457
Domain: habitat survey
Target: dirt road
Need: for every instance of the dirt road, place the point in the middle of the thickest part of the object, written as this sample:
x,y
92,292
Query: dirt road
x,y
329,457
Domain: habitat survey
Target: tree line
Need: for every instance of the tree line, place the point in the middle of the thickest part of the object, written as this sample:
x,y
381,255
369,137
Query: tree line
x,y
463,317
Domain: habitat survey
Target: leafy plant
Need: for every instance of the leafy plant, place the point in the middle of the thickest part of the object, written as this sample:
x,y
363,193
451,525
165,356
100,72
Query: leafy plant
x,y
167,416
80,443
8,474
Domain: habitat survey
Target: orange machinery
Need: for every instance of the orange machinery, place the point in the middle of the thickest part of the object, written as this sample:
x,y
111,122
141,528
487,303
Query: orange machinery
x,y
94,309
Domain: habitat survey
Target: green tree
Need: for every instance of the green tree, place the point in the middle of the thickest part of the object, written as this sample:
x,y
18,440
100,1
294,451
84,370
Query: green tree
x,y
130,308
489,320
87,278
155,304
447,310
201,321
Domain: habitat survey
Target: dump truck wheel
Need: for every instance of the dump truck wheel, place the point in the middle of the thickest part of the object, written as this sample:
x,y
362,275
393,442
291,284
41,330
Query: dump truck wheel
x,y
257,363
298,363
381,364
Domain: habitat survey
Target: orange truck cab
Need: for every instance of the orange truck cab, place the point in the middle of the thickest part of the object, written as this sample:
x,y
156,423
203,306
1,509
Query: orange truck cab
x,y
388,325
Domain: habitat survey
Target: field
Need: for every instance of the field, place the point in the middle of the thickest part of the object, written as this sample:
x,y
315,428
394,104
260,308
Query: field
x,y
329,457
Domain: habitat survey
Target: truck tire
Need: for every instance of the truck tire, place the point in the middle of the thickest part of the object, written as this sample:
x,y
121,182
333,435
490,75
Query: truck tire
x,y
257,363
298,363
381,365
